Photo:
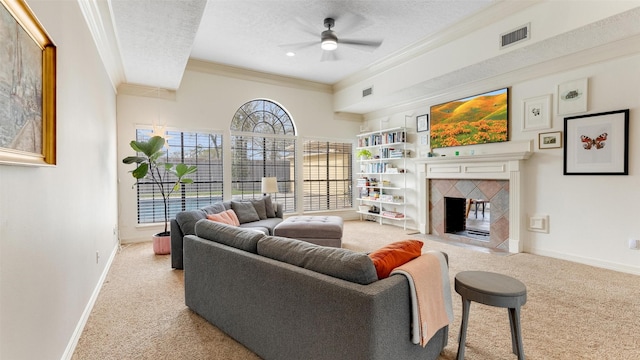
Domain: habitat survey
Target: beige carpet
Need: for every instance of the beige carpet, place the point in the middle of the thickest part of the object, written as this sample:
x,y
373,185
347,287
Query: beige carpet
x,y
573,311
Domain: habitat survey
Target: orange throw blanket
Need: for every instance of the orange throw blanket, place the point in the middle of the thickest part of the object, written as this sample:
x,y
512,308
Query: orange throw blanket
x,y
428,277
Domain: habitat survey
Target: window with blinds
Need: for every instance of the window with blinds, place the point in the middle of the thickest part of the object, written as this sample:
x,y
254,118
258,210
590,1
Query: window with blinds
x,y
328,175
201,149
263,144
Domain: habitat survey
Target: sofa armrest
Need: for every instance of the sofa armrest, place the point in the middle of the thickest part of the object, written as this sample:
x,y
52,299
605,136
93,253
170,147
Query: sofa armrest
x,y
176,245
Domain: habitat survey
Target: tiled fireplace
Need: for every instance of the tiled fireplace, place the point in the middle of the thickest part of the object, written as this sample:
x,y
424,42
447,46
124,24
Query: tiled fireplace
x,y
494,177
495,192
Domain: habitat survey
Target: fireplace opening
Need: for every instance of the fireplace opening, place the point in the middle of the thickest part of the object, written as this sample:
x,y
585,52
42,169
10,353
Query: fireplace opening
x,y
468,217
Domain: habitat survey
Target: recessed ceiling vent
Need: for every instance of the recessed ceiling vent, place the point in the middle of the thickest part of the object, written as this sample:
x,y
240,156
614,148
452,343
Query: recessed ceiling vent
x,y
515,36
368,91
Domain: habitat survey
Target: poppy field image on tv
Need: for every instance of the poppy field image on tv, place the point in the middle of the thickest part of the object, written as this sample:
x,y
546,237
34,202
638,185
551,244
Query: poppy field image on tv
x,y
473,120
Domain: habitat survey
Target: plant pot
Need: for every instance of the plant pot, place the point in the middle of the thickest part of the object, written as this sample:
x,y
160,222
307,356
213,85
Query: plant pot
x,y
162,244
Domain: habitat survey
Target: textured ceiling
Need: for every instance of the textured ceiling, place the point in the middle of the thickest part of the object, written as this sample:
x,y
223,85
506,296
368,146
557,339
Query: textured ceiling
x,y
157,37
250,34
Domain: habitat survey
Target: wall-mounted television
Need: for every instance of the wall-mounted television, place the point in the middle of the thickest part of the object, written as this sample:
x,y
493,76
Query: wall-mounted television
x,y
478,119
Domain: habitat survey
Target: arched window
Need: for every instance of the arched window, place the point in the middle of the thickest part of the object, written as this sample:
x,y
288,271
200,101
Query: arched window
x,y
263,144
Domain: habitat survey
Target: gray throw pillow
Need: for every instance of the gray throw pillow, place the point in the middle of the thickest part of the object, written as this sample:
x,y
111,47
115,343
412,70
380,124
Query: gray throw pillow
x,y
214,208
260,207
240,238
340,263
188,219
269,208
245,211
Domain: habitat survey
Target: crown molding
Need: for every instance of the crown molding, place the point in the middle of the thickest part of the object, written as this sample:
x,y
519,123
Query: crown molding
x,y
251,75
146,91
97,15
499,10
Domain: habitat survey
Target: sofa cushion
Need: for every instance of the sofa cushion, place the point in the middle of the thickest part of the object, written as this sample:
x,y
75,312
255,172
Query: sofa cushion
x,y
266,223
245,211
243,239
269,208
260,207
393,255
340,263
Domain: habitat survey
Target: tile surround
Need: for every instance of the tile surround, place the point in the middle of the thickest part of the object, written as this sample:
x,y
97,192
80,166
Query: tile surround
x,y
496,191
502,162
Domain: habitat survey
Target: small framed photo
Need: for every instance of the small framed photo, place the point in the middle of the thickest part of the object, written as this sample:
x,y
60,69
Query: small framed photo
x,y
550,140
422,122
572,97
536,113
424,140
597,144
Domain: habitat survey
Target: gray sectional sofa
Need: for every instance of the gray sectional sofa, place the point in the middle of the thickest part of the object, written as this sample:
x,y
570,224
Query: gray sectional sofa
x,y
287,299
265,218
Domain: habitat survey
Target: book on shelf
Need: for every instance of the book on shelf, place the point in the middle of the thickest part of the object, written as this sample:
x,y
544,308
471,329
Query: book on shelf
x,y
387,137
393,214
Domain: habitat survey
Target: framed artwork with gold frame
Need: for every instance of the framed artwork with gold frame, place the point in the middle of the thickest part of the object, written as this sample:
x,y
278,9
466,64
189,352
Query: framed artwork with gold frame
x,y
27,88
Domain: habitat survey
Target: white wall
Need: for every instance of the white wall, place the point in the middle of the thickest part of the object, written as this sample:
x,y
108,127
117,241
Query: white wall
x,y
591,217
53,220
207,101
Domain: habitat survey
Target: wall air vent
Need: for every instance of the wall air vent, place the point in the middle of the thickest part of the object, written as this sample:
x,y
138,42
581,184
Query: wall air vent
x,y
515,36
368,91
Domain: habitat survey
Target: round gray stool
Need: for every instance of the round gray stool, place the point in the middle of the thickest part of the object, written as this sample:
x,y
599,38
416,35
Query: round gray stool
x,y
495,290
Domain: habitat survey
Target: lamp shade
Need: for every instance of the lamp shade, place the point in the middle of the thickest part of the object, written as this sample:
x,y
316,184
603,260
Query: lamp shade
x,y
269,185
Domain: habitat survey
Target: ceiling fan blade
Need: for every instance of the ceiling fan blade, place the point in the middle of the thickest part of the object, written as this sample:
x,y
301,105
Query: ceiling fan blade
x,y
306,27
349,23
366,45
299,46
329,56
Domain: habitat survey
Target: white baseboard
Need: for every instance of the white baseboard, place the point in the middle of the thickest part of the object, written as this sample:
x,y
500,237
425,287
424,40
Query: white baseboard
x,y
73,342
587,261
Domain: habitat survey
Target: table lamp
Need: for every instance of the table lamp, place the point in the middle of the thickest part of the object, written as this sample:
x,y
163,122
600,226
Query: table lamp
x,y
269,185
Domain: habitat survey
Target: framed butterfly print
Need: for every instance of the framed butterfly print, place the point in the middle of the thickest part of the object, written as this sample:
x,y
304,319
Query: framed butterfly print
x,y
597,144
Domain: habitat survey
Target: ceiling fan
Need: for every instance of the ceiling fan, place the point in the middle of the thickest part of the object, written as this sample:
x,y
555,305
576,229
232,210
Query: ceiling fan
x,y
329,41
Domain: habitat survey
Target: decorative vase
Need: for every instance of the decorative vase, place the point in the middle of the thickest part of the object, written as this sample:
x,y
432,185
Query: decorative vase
x,y
162,244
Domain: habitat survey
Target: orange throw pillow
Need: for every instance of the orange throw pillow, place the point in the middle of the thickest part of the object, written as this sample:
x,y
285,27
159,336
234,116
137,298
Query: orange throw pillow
x,y
395,254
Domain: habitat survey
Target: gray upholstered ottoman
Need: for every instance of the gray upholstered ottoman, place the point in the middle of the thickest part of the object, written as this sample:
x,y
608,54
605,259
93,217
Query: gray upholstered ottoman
x,y
320,230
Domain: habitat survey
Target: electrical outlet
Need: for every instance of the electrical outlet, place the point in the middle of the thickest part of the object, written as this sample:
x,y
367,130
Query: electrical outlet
x,y
634,244
539,223
97,257
115,233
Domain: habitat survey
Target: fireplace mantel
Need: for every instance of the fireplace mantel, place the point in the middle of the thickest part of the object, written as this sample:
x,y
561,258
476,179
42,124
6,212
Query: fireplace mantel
x,y
489,166
523,155
498,165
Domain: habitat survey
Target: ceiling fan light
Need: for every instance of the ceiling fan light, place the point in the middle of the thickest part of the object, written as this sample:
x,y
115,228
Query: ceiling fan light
x,y
328,40
329,45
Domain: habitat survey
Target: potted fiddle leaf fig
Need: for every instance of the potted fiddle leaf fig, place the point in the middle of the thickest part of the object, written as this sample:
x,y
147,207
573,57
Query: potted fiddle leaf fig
x,y
149,166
